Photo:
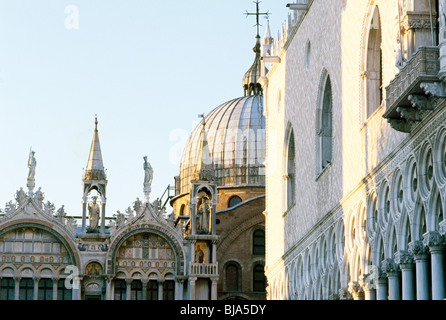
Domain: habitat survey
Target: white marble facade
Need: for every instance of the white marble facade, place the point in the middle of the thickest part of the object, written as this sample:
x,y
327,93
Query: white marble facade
x,y
368,223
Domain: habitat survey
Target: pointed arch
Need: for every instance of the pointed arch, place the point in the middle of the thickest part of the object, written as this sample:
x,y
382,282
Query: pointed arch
x,y
324,123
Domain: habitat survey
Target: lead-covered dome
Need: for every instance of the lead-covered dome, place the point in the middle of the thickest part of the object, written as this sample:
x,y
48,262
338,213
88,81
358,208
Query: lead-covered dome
x,y
235,134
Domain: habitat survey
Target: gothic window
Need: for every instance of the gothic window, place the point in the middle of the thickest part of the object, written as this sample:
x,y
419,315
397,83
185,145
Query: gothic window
x,y
26,291
373,72
7,288
63,293
290,173
324,125
152,290
259,280
45,289
136,290
258,242
169,290
232,277
234,200
120,289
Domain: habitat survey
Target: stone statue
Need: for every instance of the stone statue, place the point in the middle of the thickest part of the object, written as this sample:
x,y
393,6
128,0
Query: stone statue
x,y
148,173
32,167
39,197
203,214
61,212
20,197
120,219
137,205
93,215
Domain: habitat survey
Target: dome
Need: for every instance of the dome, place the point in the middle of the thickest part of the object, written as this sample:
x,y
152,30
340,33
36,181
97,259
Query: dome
x,y
235,132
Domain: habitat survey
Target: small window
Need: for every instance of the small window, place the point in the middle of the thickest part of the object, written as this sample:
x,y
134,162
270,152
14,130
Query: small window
x,y
7,289
258,242
307,55
290,174
63,293
45,289
169,290
259,280
26,291
374,64
232,277
152,290
120,289
234,200
136,290
325,127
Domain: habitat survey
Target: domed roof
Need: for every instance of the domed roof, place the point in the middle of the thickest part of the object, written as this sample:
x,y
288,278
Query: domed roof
x,y
235,134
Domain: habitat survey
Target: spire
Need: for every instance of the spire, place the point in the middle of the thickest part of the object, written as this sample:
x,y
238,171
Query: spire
x,y
95,167
204,170
251,78
251,85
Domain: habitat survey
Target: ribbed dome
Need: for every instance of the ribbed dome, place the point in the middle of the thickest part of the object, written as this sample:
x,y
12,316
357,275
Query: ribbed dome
x,y
235,132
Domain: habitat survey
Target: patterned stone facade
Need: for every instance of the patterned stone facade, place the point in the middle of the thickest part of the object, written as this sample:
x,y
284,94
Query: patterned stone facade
x,y
350,231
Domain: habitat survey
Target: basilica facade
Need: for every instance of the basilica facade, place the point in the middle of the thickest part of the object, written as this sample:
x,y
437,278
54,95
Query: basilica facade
x,y
356,139
211,245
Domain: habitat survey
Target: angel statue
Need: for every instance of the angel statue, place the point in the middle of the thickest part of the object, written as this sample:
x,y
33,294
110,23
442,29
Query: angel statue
x,y
148,176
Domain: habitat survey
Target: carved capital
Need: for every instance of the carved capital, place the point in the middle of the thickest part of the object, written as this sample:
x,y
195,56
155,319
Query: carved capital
x,y
344,294
434,240
356,290
389,267
418,249
403,258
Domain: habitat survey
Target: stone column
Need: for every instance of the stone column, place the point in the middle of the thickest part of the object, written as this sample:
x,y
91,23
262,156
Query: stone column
x,y
391,269
108,284
368,287
179,283
36,288
356,290
214,288
405,260
419,252
435,241
381,288
128,289
144,288
84,215
192,287
103,216
160,289
192,216
17,288
55,283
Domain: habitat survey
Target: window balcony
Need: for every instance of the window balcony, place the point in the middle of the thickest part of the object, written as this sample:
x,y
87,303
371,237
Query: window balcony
x,y
409,93
203,269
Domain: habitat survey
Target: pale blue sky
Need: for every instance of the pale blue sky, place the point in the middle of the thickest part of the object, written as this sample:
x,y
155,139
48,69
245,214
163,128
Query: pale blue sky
x,y
146,68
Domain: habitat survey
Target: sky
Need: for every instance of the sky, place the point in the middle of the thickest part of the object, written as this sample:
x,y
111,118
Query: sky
x,y
146,68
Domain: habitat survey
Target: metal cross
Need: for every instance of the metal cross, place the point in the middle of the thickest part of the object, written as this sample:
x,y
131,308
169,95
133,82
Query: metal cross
x,y
257,14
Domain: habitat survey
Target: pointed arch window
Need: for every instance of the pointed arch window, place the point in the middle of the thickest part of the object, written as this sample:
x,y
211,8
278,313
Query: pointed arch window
x,y
291,171
373,72
325,126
